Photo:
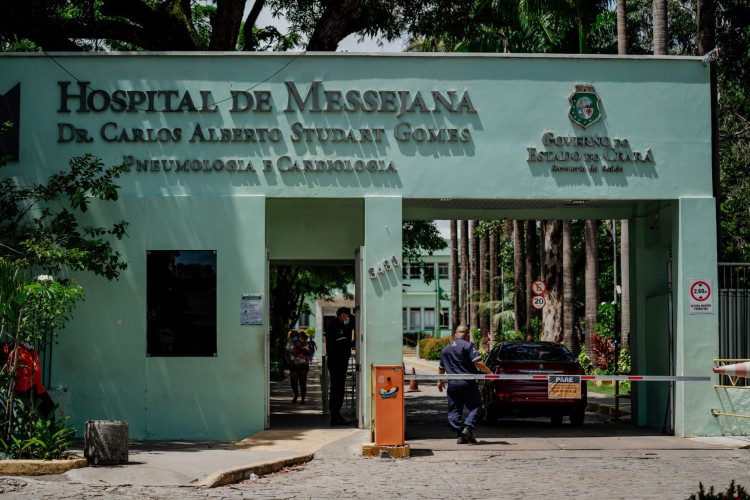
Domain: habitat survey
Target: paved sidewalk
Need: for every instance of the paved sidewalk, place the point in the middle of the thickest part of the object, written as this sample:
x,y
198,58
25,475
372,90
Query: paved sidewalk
x,y
300,432
297,433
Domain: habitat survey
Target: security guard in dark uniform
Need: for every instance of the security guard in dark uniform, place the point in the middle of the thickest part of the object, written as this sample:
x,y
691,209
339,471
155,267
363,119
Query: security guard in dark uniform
x,y
462,357
339,342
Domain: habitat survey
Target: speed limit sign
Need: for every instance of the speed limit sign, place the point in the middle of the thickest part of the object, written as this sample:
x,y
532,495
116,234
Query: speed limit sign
x,y
538,302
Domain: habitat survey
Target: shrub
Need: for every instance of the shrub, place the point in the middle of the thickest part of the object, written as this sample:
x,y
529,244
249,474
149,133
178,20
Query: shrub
x,y
606,325
584,361
34,436
604,350
277,369
733,492
432,348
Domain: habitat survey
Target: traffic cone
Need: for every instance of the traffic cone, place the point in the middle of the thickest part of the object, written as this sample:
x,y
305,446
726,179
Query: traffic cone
x,y
735,370
413,387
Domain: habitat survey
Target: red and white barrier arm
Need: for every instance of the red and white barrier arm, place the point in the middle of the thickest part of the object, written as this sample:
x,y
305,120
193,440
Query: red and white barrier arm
x,y
545,376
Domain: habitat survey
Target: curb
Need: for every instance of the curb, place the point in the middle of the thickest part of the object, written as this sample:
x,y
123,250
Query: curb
x,y
41,467
237,474
607,410
419,363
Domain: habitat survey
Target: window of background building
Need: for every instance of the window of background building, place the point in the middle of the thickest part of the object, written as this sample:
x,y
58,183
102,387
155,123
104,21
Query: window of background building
x,y
429,318
404,316
415,319
405,272
443,270
429,272
445,318
181,303
304,320
414,272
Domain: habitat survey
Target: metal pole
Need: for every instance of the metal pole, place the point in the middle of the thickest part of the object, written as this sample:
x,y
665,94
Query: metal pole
x,y
436,317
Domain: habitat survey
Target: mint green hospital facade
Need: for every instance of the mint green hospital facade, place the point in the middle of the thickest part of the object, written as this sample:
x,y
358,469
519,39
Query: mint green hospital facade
x,y
247,155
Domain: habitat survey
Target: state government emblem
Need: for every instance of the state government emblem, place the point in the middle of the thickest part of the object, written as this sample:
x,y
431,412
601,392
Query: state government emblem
x,y
584,105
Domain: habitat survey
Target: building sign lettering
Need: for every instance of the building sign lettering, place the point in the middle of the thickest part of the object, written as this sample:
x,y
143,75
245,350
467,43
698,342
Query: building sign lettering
x,y
81,98
591,154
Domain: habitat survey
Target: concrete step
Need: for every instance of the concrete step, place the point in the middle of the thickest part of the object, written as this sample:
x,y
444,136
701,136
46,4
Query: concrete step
x,y
409,351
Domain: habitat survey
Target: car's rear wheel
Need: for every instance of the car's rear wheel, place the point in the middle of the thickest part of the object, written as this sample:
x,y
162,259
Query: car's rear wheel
x,y
577,418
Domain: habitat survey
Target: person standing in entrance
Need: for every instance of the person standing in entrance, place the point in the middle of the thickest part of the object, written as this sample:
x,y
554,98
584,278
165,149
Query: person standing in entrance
x,y
462,357
297,357
339,341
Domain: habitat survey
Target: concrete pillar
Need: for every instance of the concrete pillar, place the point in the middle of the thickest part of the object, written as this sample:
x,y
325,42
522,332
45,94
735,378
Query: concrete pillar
x,y
382,301
696,335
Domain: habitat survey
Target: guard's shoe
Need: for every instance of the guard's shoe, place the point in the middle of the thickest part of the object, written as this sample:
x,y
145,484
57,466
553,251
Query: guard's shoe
x,y
461,440
468,435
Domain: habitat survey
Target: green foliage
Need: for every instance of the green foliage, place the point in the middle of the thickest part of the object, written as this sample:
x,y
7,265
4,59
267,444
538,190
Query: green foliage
x,y
39,224
431,348
420,238
311,332
584,361
606,326
624,366
734,492
277,369
476,336
33,436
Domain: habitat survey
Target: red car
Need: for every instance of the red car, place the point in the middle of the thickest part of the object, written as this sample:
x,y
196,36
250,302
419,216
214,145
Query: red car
x,y
531,398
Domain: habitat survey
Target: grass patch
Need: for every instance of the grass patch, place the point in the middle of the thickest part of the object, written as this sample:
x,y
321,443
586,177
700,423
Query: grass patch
x,y
608,390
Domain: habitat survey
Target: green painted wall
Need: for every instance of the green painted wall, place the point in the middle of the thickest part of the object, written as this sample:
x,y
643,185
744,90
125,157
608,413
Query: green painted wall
x,y
487,162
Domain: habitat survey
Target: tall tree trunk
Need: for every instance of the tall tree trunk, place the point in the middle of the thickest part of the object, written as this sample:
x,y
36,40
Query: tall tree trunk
x,y
519,277
591,233
474,266
484,281
464,272
454,272
553,311
625,280
706,26
570,338
495,276
660,27
531,274
622,33
706,43
339,20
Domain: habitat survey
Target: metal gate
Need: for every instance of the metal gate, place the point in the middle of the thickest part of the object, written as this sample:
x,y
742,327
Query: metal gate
x,y
734,312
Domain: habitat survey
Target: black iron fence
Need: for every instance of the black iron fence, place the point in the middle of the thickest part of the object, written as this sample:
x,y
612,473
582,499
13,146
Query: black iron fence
x,y
734,312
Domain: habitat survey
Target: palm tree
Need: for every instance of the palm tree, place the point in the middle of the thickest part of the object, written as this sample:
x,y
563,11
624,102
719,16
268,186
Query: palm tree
x,y
622,49
591,232
622,34
625,280
569,335
474,263
484,288
464,272
660,27
531,273
552,313
493,281
454,271
519,276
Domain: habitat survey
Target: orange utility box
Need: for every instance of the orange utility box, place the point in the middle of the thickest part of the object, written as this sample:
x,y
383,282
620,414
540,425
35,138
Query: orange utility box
x,y
388,394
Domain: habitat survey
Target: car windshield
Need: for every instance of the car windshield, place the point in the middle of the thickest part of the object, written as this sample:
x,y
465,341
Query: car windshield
x,y
534,352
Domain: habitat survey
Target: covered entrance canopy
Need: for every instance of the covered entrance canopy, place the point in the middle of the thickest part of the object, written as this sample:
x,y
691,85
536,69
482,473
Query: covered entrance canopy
x,y
226,152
